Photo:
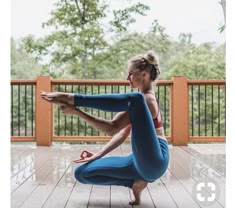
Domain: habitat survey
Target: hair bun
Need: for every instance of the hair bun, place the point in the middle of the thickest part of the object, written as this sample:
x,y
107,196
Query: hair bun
x,y
151,58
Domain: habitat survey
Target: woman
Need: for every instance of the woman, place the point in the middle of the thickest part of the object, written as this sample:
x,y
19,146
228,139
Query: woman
x,y
138,113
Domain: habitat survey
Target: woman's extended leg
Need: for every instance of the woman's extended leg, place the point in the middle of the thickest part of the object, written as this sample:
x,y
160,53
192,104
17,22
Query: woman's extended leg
x,y
150,153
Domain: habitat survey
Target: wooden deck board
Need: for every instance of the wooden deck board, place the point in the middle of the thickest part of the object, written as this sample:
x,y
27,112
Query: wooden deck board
x,y
21,159
62,191
160,195
43,177
177,191
60,163
198,163
24,174
184,176
213,156
23,192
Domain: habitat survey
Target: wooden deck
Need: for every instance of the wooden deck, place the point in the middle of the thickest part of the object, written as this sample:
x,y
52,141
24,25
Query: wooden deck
x,y
43,177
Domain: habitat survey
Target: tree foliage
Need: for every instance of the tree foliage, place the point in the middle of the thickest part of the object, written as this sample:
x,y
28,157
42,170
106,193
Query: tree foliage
x,y
23,64
204,61
90,41
78,35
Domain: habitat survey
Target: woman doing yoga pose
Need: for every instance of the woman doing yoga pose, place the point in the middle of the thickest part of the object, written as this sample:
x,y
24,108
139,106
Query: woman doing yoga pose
x,y
139,114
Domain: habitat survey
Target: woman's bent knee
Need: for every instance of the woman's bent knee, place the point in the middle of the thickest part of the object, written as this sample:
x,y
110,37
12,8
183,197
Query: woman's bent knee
x,y
79,174
137,97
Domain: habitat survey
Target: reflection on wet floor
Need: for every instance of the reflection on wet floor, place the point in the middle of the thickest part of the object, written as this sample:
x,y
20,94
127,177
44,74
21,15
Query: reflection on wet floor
x,y
43,176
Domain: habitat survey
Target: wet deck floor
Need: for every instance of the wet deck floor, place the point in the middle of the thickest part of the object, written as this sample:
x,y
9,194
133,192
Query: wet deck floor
x,y
43,177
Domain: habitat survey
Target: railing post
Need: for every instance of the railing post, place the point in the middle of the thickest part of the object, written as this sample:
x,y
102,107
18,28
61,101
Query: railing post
x,y
179,111
44,113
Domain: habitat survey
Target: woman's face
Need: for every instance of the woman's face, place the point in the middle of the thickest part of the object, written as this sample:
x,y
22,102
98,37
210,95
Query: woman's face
x,y
134,77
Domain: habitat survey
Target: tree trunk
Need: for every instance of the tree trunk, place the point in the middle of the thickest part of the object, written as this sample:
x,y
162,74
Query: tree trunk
x,y
223,4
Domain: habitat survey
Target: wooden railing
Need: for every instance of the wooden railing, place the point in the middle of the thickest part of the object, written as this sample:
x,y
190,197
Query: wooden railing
x,y
190,110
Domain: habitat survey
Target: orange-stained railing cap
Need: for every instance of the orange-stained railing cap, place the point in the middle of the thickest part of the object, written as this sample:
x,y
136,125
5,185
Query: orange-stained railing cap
x,y
206,82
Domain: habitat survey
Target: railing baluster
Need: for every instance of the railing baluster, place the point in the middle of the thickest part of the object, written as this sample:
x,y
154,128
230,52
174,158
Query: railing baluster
x,y
105,93
85,123
12,126
25,110
58,115
219,110
98,110
71,117
225,109
65,115
18,110
199,113
165,109
78,120
205,111
32,110
212,110
112,90
192,110
92,114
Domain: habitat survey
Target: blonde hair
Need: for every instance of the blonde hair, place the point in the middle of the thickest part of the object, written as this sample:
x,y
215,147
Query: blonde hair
x,y
148,62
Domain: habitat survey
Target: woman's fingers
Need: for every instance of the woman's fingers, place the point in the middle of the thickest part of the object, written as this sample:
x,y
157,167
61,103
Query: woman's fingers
x,y
78,160
82,160
87,159
86,153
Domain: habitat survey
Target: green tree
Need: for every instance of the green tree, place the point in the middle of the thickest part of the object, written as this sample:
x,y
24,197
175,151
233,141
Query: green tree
x,y
112,63
23,64
204,61
79,35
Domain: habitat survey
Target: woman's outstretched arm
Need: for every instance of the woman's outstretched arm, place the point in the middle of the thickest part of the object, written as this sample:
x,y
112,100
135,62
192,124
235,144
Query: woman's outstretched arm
x,y
109,127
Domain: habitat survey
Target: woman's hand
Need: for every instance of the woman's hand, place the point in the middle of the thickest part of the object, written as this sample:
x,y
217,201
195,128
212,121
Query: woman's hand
x,y
67,109
86,156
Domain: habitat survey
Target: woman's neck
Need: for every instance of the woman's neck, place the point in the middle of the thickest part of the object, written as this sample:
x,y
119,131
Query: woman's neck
x,y
146,89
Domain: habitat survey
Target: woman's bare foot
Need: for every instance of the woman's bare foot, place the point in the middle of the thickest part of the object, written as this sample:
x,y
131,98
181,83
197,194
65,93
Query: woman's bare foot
x,y
55,97
67,98
137,188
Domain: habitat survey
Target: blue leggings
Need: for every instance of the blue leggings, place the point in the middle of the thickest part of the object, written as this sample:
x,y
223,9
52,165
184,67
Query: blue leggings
x,y
150,154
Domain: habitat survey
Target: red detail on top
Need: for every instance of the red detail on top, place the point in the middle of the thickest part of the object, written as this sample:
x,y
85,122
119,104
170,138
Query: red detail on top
x,y
157,123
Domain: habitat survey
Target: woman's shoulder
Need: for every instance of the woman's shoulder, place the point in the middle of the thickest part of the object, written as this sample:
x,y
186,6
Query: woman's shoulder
x,y
152,104
150,97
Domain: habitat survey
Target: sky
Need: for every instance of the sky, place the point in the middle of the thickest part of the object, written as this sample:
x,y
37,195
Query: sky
x,y
202,18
